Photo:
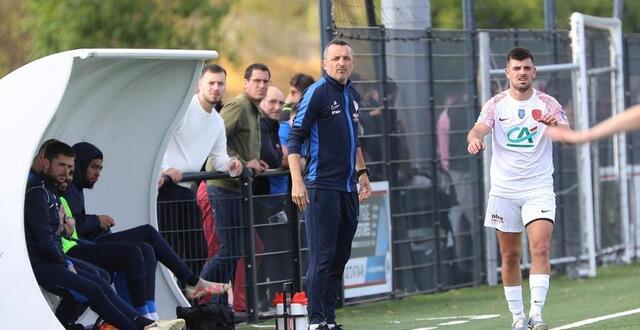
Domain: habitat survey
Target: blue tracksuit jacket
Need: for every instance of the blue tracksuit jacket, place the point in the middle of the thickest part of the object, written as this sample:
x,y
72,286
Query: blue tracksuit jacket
x,y
328,118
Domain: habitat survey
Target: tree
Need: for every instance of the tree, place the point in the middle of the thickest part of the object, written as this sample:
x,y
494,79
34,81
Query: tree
x,y
67,24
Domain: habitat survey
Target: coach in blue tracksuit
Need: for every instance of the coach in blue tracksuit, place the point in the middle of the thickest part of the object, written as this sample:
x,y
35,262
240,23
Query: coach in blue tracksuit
x,y
328,118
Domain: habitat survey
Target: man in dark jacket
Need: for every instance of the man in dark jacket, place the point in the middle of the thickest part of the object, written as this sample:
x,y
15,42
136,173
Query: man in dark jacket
x,y
270,149
328,118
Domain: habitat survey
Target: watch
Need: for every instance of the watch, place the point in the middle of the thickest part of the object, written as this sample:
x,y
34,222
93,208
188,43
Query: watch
x,y
362,171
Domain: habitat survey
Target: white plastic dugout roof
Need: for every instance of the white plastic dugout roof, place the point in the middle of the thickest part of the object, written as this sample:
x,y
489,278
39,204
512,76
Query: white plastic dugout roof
x,y
125,101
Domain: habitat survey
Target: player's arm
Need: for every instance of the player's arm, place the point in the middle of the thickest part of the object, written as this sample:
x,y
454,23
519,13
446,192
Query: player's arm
x,y
475,138
363,176
623,122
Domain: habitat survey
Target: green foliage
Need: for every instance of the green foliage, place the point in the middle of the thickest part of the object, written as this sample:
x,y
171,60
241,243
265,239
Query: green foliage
x,y
67,24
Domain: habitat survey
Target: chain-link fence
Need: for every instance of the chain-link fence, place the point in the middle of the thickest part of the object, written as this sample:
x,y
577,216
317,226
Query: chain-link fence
x,y
420,98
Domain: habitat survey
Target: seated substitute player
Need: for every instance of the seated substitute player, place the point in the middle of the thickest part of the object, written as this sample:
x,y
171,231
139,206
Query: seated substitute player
x,y
521,196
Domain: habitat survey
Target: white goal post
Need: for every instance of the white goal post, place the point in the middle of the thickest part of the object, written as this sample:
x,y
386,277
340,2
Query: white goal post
x,y
580,77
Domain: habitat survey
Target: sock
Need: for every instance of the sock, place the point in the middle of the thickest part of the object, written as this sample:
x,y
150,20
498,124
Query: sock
x,y
313,326
514,300
539,284
143,310
153,311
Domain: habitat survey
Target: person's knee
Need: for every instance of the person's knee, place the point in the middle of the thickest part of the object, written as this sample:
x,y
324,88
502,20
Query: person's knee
x,y
510,256
540,250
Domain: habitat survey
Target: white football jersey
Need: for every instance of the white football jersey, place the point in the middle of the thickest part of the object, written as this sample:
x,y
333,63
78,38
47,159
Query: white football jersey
x,y
522,160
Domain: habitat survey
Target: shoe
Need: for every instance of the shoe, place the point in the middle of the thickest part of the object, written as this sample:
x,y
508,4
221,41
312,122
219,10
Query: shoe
x,y
519,324
536,323
177,324
206,288
321,326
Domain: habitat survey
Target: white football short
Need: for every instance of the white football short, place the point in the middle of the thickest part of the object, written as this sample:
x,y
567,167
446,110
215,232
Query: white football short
x,y
513,215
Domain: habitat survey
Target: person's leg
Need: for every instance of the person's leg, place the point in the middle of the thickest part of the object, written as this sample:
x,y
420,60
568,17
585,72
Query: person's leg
x,y
54,277
322,220
180,223
539,233
161,249
221,268
349,208
505,216
538,214
121,257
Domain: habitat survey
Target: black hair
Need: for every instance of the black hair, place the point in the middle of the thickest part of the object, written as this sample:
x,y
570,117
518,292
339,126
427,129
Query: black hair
x,y
45,144
519,54
301,81
56,149
255,66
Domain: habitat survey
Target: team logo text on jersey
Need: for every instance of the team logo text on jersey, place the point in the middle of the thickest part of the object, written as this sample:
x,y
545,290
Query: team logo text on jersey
x,y
335,105
521,137
355,116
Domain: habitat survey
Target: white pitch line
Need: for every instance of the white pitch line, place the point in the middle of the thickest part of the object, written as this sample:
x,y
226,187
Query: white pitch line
x,y
454,322
598,319
471,317
429,328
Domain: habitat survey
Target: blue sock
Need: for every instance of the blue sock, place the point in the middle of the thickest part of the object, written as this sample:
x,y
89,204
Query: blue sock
x,y
153,311
143,310
151,306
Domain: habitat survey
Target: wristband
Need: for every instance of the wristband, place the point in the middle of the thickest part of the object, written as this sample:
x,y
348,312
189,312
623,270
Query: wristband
x,y
362,171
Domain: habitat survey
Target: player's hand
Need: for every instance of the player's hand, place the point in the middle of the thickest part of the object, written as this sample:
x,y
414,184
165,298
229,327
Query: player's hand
x,y
234,167
299,194
174,174
255,166
365,187
565,135
549,120
106,221
476,145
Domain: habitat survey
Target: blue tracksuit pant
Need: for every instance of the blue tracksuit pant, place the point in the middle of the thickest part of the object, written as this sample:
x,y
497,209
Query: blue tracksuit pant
x,y
331,221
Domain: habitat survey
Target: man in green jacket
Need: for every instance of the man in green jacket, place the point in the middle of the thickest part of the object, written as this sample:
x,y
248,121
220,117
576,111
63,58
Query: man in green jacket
x,y
241,117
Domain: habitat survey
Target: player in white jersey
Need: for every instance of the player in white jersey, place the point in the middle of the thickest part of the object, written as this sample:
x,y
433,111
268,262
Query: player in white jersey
x,y
521,196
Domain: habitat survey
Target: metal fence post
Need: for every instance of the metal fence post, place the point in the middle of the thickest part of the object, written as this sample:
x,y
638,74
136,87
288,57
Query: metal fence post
x,y
246,193
434,160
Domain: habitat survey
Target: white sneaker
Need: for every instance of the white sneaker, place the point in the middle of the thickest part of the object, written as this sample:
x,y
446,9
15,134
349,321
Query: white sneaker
x,y
177,324
536,323
519,324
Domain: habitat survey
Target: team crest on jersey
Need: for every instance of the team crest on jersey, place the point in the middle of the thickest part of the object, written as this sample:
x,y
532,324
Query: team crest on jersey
x,y
520,113
522,137
356,106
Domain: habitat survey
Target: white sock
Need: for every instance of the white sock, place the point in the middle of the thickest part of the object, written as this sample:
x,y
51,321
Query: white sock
x,y
154,316
539,284
514,300
313,326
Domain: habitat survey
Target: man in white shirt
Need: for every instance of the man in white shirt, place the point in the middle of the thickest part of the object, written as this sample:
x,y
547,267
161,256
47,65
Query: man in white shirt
x,y
521,196
199,134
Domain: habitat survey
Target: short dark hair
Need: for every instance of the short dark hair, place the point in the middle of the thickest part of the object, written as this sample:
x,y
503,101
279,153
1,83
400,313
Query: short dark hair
x,y
56,149
301,81
339,42
213,68
45,144
255,66
519,54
